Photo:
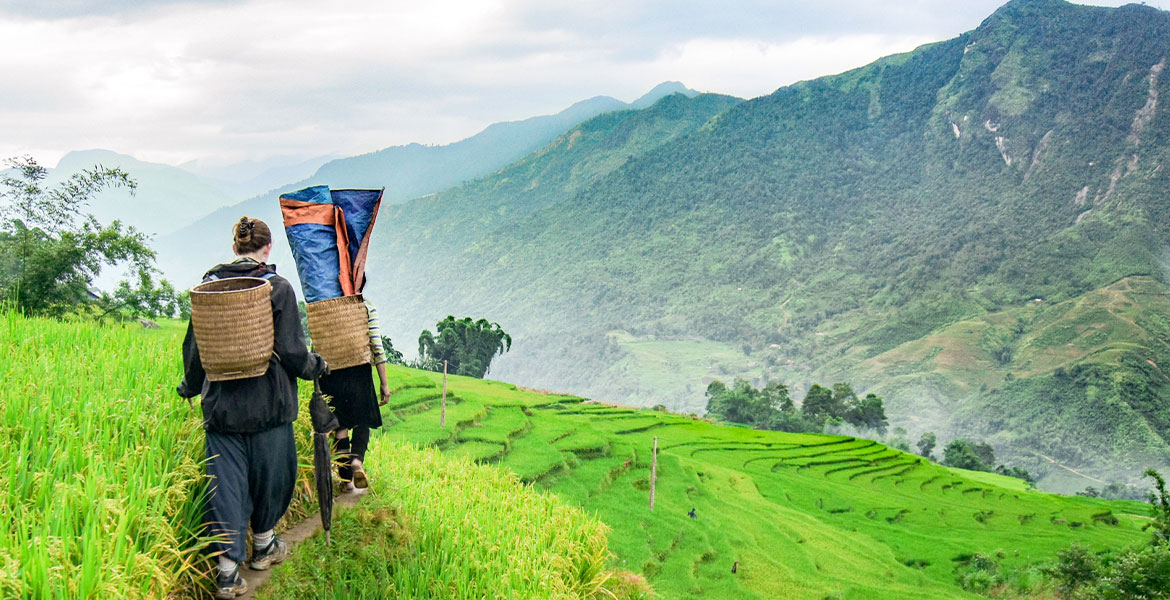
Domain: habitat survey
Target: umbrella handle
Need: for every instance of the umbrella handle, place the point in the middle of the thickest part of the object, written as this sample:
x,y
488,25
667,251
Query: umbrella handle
x,y
317,386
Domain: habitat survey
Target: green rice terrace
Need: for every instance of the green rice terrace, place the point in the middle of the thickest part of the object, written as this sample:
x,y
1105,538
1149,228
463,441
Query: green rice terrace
x,y
99,464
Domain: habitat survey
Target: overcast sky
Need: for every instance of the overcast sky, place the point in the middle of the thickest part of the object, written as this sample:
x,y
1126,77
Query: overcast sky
x,y
224,80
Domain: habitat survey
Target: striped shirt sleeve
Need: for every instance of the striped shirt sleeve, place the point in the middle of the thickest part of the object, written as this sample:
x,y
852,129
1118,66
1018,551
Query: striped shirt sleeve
x,y
376,349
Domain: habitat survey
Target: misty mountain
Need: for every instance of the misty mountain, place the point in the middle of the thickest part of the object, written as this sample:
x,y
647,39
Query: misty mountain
x,y
405,171
167,198
1002,194
248,178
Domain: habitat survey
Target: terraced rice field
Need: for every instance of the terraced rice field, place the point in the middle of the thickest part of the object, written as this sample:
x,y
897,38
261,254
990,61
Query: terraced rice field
x,y
101,489
798,516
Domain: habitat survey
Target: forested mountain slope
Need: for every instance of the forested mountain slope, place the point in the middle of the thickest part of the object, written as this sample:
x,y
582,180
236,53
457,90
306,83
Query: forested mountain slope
x,y
405,171
837,219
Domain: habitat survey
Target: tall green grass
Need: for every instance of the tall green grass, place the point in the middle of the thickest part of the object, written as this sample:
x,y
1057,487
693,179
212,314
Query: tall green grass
x,y
99,462
444,528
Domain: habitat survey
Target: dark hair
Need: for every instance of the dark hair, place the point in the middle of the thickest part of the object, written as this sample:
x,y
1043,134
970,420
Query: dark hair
x,y
250,235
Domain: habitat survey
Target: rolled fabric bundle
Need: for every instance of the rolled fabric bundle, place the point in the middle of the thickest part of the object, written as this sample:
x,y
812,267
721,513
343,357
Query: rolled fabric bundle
x,y
329,233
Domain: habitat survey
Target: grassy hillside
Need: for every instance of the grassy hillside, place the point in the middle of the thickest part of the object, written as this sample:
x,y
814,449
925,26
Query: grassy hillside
x,y
836,220
1028,377
804,516
101,490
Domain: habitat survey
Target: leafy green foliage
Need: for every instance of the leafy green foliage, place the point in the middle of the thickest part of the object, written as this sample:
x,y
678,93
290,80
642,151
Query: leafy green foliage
x,y
973,456
1074,568
50,250
767,408
393,356
1160,499
466,346
926,443
770,407
1131,574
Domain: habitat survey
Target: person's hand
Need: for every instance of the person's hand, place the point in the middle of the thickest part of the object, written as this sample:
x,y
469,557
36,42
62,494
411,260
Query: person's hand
x,y
385,394
327,369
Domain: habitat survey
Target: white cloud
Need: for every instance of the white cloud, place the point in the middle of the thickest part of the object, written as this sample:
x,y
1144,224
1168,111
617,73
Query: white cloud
x,y
754,67
219,80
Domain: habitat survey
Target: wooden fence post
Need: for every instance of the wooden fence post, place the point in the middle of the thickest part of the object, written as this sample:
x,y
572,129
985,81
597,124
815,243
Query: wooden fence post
x,y
443,402
653,472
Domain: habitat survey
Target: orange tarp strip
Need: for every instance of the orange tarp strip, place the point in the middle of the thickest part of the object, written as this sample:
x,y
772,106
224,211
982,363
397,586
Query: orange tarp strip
x,y
345,274
302,213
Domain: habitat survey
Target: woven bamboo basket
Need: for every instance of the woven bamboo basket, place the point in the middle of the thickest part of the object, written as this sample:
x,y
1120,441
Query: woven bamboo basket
x,y
340,331
232,319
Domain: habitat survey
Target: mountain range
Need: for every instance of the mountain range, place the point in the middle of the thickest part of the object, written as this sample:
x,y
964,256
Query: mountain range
x,y
405,171
975,229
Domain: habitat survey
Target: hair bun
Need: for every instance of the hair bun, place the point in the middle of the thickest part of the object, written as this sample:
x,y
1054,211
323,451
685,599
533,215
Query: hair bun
x,y
244,230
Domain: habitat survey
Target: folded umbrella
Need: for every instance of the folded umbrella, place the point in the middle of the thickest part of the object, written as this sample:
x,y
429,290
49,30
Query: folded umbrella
x,y
323,422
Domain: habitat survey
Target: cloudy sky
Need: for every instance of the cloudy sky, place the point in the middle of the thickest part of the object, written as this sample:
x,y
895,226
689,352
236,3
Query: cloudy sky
x,y
224,80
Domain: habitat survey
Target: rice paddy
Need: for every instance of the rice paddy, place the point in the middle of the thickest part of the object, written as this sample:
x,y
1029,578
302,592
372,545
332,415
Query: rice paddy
x,y
101,468
521,495
796,515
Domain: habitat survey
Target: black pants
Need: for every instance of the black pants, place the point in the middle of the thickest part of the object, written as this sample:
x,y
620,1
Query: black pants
x,y
350,448
252,478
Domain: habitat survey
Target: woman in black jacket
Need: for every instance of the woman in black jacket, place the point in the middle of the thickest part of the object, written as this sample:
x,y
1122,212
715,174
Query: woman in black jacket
x,y
251,454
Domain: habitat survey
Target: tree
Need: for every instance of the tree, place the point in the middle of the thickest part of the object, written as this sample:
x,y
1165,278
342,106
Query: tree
x,y
768,408
1017,472
867,413
926,444
393,356
468,346
51,250
1075,567
961,454
1161,501
146,299
817,404
775,395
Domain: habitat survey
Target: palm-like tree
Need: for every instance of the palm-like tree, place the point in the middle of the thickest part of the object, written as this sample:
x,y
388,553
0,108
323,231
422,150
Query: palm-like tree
x,y
468,346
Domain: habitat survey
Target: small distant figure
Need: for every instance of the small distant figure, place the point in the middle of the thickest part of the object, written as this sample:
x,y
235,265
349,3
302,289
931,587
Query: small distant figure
x,y
735,566
626,464
692,514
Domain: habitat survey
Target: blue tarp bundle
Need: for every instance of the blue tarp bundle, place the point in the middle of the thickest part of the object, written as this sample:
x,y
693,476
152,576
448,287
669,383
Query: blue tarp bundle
x,y
329,232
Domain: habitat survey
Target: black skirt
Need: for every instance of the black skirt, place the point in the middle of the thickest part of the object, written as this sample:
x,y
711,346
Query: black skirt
x,y
352,397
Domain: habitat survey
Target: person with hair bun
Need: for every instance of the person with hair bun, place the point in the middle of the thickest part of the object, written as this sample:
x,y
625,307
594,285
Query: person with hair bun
x,y
251,453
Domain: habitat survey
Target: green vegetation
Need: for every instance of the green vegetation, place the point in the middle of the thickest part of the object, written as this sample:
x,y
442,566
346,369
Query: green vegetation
x,y
798,515
101,466
100,462
50,251
462,346
923,202
113,494
436,527
772,408
979,456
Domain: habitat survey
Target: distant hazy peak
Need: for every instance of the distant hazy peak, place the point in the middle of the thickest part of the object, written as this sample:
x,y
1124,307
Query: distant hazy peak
x,y
661,91
88,158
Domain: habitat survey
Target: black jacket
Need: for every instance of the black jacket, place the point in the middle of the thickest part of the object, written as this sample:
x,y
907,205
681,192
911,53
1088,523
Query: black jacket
x,y
256,403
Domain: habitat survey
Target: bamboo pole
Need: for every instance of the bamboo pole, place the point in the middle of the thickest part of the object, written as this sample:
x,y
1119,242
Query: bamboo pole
x,y
443,402
653,472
